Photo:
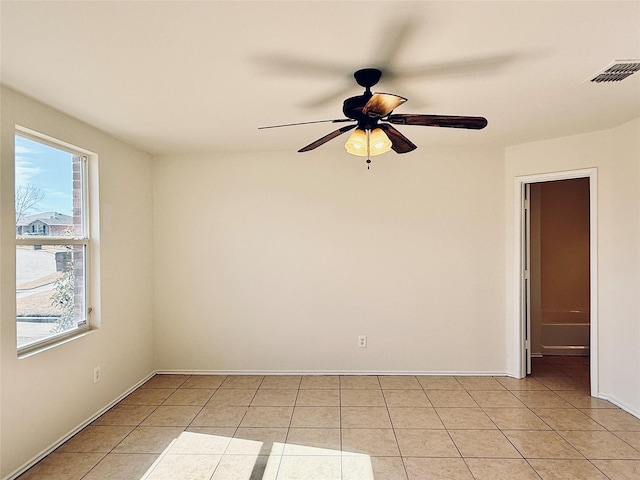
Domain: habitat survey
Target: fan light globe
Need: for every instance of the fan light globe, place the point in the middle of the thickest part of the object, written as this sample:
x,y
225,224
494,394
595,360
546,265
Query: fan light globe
x,y
357,143
377,140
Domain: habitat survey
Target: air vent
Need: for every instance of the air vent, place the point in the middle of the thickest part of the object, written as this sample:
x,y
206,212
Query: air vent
x,y
616,71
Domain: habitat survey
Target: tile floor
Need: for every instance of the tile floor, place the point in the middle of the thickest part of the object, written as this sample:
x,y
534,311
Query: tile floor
x,y
357,427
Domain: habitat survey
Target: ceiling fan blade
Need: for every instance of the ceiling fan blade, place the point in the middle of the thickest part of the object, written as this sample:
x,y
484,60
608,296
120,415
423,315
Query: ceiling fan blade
x,y
339,120
326,138
469,66
394,40
451,121
382,104
399,143
275,63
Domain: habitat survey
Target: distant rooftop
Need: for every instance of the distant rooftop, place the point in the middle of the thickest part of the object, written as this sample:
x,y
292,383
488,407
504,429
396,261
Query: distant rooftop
x,y
49,218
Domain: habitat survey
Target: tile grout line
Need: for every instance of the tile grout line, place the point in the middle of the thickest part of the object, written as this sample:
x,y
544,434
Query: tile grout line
x,y
293,411
449,433
557,433
404,465
134,428
216,390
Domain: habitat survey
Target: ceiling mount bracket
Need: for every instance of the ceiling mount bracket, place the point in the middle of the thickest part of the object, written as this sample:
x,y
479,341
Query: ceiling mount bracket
x,y
367,77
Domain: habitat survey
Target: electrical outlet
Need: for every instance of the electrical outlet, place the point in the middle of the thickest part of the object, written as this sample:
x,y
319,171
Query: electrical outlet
x,y
96,375
362,341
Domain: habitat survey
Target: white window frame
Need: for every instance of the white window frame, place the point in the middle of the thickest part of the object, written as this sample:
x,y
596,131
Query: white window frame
x,y
84,325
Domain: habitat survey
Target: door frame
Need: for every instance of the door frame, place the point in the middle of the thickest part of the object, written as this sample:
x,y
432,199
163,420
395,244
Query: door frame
x,y
520,291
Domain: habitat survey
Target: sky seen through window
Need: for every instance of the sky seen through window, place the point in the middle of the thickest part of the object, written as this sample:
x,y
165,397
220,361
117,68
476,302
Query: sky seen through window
x,y
48,169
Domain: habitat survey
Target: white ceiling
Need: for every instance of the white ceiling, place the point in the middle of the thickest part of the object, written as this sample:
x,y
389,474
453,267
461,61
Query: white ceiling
x,y
178,76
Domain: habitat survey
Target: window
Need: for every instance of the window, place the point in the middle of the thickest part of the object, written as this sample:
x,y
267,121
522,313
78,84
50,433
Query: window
x,y
52,241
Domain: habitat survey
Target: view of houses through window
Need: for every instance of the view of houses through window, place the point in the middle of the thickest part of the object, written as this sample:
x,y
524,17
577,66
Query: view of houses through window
x,y
51,241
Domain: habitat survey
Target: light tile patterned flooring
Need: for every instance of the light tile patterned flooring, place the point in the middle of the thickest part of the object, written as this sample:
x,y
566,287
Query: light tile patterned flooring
x,y
357,428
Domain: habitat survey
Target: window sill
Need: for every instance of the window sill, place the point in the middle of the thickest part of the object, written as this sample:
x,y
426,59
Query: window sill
x,y
36,349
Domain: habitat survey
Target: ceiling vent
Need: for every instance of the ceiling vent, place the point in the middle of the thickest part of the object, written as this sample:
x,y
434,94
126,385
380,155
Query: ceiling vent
x,y
616,71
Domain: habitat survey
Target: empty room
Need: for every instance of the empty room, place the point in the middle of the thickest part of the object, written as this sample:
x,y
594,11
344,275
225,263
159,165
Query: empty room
x,y
281,240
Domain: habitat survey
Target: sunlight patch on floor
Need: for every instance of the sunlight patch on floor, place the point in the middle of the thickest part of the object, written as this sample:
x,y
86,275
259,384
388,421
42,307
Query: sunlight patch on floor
x,y
202,456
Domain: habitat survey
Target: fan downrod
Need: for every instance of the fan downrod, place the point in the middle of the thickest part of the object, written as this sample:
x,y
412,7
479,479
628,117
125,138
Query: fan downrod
x,y
367,77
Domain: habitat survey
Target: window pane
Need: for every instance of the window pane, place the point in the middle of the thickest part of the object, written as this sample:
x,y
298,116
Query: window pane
x,y
50,290
49,192
50,272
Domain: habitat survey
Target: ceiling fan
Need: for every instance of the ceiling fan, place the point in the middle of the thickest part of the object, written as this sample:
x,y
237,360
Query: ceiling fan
x,y
373,115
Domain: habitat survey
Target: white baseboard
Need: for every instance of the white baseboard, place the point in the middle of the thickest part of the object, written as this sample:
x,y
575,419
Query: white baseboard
x,y
331,372
618,403
73,432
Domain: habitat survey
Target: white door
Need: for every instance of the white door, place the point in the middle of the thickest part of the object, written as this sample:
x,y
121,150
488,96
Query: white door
x,y
526,273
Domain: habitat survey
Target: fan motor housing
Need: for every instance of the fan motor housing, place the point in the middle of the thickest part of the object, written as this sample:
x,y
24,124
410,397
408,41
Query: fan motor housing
x,y
352,108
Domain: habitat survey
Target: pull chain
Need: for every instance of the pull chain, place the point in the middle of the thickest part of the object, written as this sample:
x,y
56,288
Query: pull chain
x,y
368,148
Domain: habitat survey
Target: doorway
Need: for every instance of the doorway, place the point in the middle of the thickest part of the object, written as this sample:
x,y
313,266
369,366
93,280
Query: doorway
x,y
557,292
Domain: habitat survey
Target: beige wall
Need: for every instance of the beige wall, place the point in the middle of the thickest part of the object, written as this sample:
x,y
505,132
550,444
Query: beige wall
x,y
278,261
49,394
616,155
